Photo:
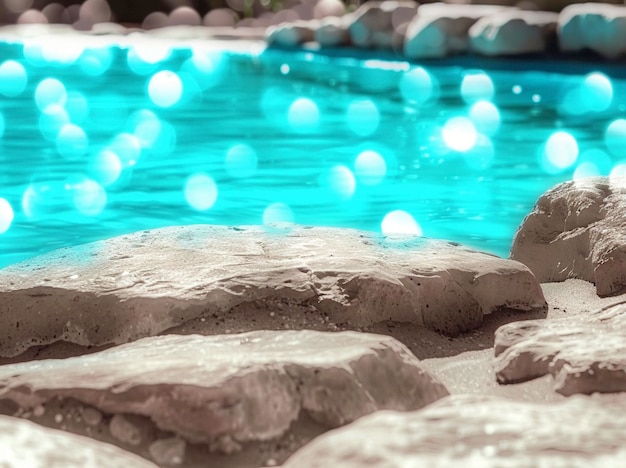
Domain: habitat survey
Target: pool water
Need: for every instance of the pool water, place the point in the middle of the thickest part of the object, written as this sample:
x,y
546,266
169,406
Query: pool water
x,y
99,141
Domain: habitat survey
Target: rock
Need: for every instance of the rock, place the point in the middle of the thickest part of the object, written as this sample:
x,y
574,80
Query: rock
x,y
577,230
374,24
291,34
440,29
585,353
332,32
26,444
599,27
513,32
228,390
142,284
480,431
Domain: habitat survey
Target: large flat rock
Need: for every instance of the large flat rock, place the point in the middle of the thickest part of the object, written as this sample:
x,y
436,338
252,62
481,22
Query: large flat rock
x,y
145,283
224,392
585,353
577,230
476,431
26,444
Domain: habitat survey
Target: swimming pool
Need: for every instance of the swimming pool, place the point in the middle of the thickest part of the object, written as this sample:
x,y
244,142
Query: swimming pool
x,y
99,141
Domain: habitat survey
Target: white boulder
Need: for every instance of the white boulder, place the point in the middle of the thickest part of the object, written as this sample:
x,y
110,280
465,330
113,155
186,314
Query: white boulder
x,y
585,353
225,391
26,444
477,431
377,24
577,230
513,32
596,26
144,283
441,29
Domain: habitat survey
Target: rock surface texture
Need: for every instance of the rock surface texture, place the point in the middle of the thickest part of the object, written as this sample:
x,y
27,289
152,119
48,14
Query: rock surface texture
x,y
577,230
513,32
144,283
225,391
585,353
476,431
26,444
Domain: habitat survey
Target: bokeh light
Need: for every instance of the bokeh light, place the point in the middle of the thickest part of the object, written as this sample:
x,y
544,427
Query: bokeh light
x,y
619,171
585,169
486,117
241,161
145,125
303,115
370,167
95,61
459,134
50,91
144,57
597,92
278,213
127,148
341,182
13,78
615,138
77,107
89,197
400,223
598,158
418,86
52,120
477,86
165,88
71,141
200,191
206,67
6,215
105,168
559,153
59,51
363,117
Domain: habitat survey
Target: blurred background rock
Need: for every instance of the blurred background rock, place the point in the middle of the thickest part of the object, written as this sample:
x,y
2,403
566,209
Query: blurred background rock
x,y
152,14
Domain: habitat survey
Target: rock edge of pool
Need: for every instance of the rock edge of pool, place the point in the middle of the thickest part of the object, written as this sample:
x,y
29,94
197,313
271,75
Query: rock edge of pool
x,y
251,346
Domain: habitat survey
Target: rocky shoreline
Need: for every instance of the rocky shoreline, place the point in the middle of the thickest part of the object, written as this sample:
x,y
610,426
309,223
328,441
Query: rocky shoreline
x,y
237,346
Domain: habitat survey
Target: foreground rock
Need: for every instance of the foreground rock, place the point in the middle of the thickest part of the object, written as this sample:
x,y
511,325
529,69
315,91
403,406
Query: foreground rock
x,y
476,431
226,392
585,353
145,283
26,444
577,230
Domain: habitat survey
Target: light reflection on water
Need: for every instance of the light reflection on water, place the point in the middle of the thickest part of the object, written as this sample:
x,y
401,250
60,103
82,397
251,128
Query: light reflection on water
x,y
112,140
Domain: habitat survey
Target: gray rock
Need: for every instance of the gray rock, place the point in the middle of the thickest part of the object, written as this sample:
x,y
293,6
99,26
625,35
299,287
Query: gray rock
x,y
585,353
596,26
376,24
513,32
26,444
440,29
145,283
577,230
332,32
291,34
476,431
228,390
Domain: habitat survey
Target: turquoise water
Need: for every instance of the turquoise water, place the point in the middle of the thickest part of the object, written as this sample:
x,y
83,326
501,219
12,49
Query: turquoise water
x,y
101,141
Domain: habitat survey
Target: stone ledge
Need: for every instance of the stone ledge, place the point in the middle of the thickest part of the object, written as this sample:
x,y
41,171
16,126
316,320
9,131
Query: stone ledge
x,y
142,284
